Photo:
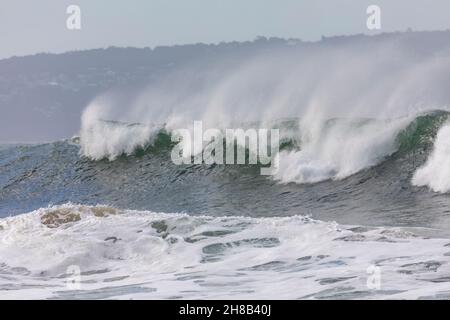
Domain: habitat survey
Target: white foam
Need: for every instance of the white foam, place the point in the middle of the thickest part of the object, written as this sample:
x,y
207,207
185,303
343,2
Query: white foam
x,y
156,255
435,173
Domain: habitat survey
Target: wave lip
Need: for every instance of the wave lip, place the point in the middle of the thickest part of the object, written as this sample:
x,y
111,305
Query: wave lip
x,y
435,173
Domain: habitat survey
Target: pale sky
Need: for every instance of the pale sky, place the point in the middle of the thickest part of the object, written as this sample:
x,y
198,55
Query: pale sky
x,y
28,27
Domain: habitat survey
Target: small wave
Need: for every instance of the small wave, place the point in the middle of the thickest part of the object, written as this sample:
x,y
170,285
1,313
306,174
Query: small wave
x,y
143,254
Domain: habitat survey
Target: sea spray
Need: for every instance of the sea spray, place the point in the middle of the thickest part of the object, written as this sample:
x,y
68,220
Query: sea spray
x,y
137,254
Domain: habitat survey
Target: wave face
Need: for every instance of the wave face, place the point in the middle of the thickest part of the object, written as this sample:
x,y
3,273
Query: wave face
x,y
111,139
125,254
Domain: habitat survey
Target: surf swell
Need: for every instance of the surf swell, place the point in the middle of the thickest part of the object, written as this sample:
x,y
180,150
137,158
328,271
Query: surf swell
x,y
435,173
333,149
360,145
389,85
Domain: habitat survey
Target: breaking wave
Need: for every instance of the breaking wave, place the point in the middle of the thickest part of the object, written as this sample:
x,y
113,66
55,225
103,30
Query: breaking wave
x,y
333,149
361,144
435,173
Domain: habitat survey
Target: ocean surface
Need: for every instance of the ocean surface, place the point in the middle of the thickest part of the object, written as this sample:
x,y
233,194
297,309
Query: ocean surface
x,y
354,197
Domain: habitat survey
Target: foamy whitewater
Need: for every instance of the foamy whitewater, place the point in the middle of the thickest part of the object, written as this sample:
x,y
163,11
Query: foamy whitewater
x,y
357,209
435,173
141,254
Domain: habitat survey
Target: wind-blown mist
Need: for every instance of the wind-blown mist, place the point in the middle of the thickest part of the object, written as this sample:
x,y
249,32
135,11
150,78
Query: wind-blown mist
x,y
384,82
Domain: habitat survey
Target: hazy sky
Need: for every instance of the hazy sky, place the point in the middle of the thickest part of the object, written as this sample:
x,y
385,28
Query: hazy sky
x,y
28,27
